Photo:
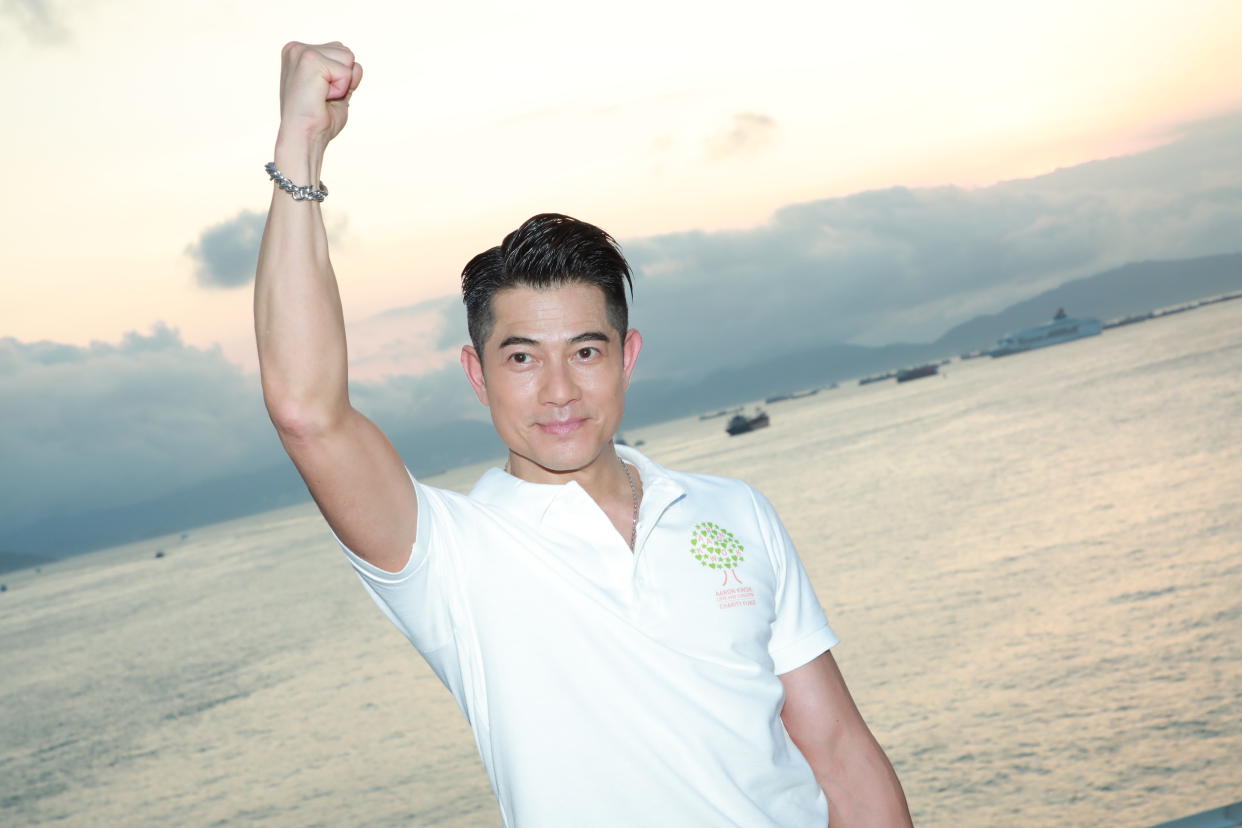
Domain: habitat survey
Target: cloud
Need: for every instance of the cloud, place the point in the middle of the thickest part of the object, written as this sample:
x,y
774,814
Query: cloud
x,y
38,20
110,425
226,253
750,133
419,339
884,266
907,264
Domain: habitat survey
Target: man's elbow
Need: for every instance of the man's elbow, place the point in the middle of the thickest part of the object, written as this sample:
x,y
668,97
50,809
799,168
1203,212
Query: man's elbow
x,y
299,422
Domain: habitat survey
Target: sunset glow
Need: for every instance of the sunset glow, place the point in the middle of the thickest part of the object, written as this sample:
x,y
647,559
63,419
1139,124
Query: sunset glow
x,y
648,119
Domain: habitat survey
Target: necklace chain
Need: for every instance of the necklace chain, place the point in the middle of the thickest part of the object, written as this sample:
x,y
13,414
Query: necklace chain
x,y
634,498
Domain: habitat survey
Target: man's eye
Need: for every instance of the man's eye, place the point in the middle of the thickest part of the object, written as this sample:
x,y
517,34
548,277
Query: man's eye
x,y
587,353
520,358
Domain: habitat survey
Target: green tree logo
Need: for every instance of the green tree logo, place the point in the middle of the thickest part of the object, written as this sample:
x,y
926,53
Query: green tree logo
x,y
715,547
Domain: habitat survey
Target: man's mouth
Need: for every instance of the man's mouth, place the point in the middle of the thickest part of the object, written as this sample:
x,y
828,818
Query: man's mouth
x,y
559,427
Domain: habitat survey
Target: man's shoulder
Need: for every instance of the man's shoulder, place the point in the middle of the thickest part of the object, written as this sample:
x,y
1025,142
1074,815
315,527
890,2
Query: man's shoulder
x,y
728,492
693,484
449,501
710,482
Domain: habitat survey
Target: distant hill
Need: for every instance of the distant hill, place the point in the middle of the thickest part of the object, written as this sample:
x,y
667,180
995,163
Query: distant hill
x,y
430,450
1129,289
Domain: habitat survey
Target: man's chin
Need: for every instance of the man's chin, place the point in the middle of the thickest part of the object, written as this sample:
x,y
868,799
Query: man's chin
x,y
567,456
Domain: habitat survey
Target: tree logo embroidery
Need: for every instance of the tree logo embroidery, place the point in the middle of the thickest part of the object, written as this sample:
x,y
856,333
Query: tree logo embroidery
x,y
715,547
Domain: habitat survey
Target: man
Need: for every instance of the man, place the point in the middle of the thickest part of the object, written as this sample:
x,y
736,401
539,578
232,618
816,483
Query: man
x,y
632,646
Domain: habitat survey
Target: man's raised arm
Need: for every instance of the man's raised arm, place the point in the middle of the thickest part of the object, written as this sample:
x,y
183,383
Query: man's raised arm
x,y
350,467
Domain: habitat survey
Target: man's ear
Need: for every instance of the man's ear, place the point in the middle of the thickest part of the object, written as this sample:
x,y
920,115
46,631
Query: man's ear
x,y
629,353
473,367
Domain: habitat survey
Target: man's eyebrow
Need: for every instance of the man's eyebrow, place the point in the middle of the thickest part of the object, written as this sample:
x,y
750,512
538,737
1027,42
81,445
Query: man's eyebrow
x,y
589,336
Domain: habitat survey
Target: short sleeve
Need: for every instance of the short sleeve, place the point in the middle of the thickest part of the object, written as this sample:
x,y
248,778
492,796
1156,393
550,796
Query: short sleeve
x,y
800,630
414,599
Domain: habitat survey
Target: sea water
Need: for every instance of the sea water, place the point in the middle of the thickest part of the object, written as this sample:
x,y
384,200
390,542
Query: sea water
x,y
1033,562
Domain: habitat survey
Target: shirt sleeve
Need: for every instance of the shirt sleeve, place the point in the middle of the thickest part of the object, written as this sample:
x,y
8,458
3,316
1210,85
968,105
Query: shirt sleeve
x,y
414,599
800,630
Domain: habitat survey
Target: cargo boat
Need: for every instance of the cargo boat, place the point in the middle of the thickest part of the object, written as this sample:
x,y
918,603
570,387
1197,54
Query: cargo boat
x,y
741,424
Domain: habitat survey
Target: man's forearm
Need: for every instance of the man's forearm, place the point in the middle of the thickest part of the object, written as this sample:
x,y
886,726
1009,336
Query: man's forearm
x,y
822,719
299,326
862,787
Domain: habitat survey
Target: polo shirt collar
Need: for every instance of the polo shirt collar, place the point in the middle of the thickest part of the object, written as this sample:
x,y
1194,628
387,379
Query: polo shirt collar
x,y
528,500
533,500
658,484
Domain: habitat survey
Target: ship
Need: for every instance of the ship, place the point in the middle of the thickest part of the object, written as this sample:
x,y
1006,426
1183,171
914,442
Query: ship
x,y
741,424
1062,328
793,395
918,372
713,415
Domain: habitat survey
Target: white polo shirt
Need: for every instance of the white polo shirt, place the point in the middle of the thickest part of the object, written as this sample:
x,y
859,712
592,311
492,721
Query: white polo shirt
x,y
614,688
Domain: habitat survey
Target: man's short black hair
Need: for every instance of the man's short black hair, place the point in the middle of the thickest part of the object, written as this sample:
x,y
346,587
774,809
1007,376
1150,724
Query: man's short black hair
x,y
549,250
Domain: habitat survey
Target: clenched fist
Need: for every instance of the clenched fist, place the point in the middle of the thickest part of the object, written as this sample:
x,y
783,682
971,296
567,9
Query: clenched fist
x,y
316,83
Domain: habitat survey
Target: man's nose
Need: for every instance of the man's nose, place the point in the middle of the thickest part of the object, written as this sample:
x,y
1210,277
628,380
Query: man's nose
x,y
559,386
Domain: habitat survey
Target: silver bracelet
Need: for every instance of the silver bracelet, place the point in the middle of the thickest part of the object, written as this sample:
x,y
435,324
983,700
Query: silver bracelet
x,y
298,193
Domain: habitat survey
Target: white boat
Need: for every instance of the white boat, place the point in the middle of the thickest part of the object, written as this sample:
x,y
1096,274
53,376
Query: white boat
x,y
1061,329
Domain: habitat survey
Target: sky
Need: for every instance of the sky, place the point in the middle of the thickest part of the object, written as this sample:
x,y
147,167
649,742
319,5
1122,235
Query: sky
x,y
879,172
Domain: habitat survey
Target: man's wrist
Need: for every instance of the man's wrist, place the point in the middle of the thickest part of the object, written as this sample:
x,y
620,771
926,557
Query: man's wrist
x,y
300,158
299,192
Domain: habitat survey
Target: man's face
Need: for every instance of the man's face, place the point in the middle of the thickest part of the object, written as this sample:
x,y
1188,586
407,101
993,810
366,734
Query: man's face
x,y
554,374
